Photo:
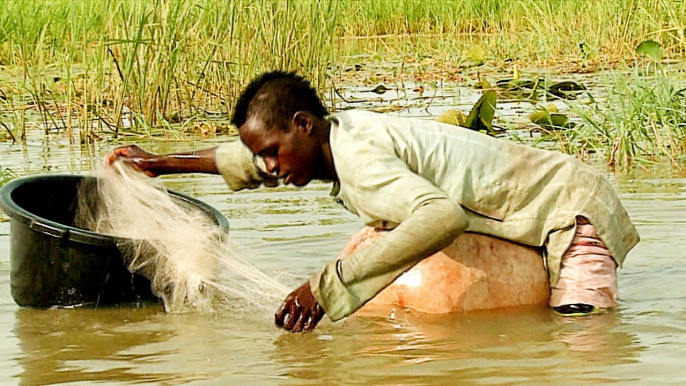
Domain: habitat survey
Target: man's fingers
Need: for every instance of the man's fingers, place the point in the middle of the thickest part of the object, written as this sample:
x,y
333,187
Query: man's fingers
x,y
122,151
280,314
111,158
316,315
116,153
299,323
291,317
310,324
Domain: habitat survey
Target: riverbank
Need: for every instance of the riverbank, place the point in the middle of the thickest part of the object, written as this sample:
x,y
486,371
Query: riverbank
x,y
112,70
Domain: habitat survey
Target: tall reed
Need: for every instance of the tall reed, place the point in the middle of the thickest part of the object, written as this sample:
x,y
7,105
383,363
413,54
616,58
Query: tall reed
x,y
140,64
530,29
101,66
642,120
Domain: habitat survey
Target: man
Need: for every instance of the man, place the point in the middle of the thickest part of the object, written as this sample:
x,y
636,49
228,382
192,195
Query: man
x,y
428,182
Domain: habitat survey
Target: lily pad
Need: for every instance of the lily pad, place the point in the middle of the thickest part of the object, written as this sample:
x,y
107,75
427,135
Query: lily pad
x,y
380,89
480,117
519,84
566,90
482,114
550,120
452,117
650,48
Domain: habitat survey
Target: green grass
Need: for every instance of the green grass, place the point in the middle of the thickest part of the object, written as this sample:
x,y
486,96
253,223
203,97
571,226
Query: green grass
x,y
149,67
119,64
6,175
642,120
532,32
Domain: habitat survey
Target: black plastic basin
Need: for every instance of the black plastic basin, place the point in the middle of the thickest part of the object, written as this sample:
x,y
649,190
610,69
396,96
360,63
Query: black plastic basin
x,y
53,263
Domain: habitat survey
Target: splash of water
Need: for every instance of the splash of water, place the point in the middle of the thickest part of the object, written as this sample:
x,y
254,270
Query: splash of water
x,y
188,258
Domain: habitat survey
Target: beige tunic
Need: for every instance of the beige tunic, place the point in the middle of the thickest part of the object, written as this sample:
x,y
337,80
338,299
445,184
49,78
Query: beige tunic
x,y
394,170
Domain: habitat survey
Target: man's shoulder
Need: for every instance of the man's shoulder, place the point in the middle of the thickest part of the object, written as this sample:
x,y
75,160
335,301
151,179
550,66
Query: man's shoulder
x,y
354,113
358,138
356,119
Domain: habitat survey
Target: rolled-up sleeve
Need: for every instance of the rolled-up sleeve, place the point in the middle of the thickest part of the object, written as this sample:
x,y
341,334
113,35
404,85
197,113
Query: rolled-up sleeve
x,y
240,168
387,191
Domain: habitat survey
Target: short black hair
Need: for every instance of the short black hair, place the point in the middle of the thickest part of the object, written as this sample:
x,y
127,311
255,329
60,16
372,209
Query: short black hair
x,y
276,96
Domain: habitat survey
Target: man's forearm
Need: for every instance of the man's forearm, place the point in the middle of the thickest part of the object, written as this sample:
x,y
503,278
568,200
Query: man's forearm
x,y
346,285
200,161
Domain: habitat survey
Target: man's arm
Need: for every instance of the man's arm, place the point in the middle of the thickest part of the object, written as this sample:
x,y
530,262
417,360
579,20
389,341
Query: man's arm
x,y
233,160
384,190
345,285
198,161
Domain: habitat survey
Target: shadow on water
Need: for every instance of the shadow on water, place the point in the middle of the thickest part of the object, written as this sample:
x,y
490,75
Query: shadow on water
x,y
525,345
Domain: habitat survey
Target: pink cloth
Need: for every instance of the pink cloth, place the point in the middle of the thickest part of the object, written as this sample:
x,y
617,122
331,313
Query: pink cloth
x,y
588,273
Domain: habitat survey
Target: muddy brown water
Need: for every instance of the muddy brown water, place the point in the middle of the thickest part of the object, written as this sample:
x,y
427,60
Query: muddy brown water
x,y
292,232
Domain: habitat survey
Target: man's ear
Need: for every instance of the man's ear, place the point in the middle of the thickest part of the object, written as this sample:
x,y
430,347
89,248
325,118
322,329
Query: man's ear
x,y
303,121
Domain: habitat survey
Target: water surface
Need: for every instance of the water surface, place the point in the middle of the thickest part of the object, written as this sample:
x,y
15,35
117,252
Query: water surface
x,y
292,232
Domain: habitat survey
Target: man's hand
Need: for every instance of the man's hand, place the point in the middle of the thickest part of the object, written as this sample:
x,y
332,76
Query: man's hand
x,y
135,157
300,311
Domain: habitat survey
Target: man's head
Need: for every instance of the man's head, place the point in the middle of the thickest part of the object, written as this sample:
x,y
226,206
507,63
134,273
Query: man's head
x,y
281,119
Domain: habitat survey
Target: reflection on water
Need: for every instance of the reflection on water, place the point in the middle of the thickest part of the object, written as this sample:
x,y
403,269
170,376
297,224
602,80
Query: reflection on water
x,y
60,345
291,232
525,345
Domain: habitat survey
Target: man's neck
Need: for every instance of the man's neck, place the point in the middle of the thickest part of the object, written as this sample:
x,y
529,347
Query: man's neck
x,y
324,128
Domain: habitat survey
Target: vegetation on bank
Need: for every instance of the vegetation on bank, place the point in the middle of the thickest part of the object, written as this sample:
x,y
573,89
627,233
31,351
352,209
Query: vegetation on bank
x,y
139,67
642,119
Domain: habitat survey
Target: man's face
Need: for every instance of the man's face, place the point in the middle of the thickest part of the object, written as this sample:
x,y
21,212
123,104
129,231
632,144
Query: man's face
x,y
292,154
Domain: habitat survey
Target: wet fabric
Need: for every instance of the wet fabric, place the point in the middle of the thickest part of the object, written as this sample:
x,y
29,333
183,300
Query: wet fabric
x,y
396,170
588,271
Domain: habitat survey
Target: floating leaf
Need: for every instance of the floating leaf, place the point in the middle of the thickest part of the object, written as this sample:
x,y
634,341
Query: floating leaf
x,y
551,108
519,84
650,48
566,90
452,117
380,89
481,116
550,120
356,67
479,119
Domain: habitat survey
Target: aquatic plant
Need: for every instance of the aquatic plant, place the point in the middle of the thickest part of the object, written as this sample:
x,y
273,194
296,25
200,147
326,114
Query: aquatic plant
x,y
533,32
6,175
642,120
160,67
116,65
480,118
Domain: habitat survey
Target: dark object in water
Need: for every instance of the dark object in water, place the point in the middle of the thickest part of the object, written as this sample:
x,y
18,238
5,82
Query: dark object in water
x,y
54,263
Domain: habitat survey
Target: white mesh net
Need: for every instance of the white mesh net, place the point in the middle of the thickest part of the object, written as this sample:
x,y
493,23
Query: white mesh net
x,y
187,257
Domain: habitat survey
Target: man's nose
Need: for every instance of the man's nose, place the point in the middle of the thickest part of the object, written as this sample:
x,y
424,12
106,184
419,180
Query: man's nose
x,y
272,165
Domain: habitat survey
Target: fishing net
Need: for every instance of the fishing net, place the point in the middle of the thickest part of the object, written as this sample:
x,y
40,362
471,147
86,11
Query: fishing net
x,y
189,259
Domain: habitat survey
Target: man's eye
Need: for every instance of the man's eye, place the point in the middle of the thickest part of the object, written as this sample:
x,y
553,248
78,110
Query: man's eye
x,y
267,153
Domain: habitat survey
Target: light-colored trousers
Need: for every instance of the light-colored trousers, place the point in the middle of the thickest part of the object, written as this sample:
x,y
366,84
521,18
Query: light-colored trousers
x,y
588,273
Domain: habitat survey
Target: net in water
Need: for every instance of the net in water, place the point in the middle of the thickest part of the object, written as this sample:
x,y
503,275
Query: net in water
x,y
188,258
